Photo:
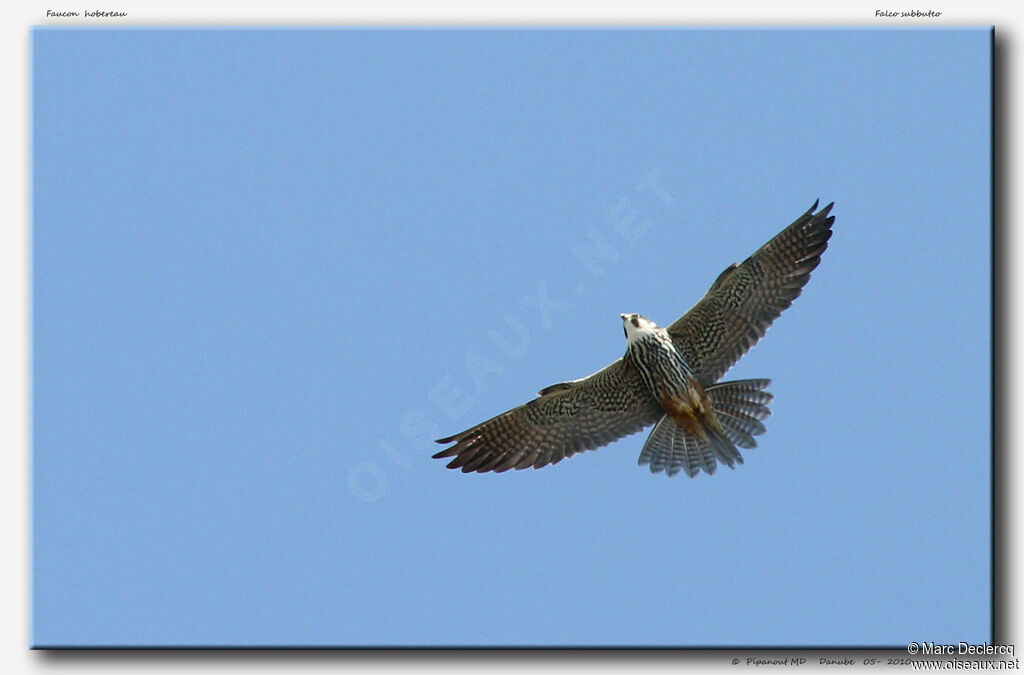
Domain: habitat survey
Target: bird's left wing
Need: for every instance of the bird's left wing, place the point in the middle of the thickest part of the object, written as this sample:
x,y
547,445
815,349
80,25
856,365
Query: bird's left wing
x,y
746,298
566,419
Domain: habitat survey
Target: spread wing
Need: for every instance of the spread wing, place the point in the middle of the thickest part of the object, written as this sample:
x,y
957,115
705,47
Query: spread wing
x,y
742,303
566,419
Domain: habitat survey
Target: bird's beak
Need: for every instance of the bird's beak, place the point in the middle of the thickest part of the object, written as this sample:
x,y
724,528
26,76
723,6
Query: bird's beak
x,y
622,316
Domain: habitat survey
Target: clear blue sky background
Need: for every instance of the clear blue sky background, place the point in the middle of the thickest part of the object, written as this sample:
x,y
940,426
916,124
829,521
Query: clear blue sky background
x,y
271,266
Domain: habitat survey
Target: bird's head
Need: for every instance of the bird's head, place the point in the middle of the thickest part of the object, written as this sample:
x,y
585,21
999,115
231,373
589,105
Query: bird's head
x,y
636,325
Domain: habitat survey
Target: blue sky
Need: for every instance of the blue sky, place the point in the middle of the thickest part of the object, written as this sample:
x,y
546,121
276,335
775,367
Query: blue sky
x,y
269,267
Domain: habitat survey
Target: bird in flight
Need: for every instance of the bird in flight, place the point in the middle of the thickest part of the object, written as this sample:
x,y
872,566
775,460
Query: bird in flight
x,y
668,377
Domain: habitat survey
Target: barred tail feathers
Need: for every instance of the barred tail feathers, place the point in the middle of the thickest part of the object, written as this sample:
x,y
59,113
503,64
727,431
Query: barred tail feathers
x,y
739,406
670,449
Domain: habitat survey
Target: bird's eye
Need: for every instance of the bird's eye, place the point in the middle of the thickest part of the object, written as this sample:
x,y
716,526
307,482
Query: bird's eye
x,y
635,321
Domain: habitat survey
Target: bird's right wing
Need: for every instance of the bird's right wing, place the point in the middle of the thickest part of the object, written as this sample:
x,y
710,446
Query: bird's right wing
x,y
566,419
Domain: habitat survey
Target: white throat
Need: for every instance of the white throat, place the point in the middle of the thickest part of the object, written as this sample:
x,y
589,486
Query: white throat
x,y
645,328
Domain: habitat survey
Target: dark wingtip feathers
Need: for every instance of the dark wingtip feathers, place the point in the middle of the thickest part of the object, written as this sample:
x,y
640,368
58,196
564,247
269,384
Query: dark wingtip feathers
x,y
823,217
819,230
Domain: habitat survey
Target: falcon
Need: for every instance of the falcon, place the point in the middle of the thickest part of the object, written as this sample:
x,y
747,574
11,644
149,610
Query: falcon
x,y
668,377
